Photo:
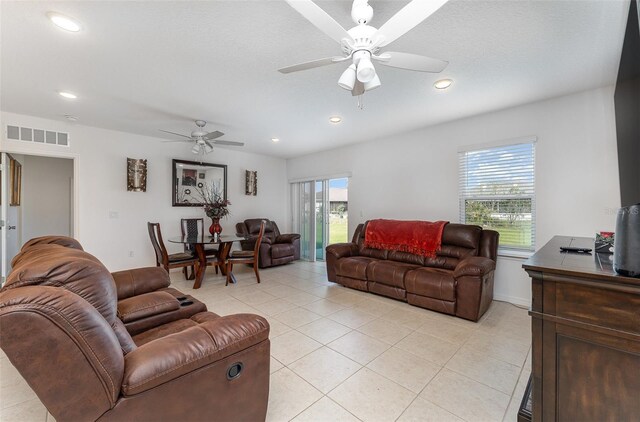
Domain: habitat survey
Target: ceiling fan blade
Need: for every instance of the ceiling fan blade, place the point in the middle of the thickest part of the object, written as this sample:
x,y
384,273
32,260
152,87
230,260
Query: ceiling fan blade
x,y
207,143
320,19
181,140
358,88
235,144
173,133
212,135
310,65
414,62
407,18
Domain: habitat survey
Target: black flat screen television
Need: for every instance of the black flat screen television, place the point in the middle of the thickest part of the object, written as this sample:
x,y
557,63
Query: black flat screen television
x,y
627,109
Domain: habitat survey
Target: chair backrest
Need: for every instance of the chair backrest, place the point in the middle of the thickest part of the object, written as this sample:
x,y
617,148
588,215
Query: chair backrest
x,y
162,257
57,327
191,227
256,249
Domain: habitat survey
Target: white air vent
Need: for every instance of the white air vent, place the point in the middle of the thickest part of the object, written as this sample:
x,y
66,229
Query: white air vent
x,y
41,136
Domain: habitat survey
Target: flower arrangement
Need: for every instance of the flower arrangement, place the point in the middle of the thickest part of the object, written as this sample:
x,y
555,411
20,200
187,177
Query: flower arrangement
x,y
604,242
215,206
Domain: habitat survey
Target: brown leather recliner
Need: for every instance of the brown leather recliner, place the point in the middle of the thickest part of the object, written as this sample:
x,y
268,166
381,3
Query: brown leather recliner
x,y
457,281
59,327
275,249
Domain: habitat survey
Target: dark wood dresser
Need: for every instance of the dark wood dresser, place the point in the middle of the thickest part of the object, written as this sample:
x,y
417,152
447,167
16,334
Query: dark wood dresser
x,y
586,337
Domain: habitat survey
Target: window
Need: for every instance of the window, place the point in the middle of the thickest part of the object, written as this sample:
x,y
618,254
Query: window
x,y
497,191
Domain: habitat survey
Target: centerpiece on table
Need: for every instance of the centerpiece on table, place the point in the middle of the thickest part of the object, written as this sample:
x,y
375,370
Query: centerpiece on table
x,y
215,206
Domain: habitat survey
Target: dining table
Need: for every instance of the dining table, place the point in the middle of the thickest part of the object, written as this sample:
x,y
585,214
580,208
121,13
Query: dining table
x,y
199,242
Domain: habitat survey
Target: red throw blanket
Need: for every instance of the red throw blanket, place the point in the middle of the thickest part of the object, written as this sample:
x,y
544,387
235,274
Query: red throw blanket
x,y
416,237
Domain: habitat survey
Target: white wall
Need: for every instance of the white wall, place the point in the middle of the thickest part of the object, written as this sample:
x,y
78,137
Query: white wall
x,y
415,175
46,196
102,179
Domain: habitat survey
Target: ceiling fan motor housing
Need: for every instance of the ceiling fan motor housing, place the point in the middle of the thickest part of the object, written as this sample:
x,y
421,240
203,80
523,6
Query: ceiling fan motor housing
x,y
361,12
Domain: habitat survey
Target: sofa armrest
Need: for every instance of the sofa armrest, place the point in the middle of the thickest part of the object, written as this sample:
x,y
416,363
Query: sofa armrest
x,y
140,280
287,238
342,250
474,266
336,252
167,358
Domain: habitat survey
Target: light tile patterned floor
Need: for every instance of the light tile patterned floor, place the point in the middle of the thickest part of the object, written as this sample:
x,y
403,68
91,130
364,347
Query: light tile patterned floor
x,y
343,355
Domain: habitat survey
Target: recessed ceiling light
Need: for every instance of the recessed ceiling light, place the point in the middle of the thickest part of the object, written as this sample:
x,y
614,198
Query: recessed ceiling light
x,y
443,84
68,95
64,22
275,139
335,119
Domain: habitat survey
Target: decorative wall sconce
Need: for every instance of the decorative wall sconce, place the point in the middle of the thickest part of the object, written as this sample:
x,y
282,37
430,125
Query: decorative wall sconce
x,y
136,175
251,183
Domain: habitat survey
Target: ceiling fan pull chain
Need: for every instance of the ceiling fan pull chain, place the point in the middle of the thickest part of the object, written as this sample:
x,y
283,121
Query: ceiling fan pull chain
x,y
360,102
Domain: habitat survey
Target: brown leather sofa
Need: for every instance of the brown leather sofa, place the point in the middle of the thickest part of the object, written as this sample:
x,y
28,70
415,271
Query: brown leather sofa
x,y
275,249
457,281
89,357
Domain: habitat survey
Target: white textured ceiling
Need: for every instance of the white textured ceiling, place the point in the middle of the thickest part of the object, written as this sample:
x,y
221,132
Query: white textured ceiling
x,y
142,66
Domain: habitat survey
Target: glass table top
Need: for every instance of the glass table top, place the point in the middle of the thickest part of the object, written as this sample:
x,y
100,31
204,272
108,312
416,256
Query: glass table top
x,y
206,239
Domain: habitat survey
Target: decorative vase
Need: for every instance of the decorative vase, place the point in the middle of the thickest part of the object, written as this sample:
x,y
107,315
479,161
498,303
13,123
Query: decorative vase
x,y
215,228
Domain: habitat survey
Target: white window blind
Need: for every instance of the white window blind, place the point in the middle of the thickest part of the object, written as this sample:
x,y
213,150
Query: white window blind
x,y
497,192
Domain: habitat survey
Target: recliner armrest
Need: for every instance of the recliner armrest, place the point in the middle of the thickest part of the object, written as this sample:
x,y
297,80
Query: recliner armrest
x,y
140,280
474,266
287,238
342,250
170,357
146,305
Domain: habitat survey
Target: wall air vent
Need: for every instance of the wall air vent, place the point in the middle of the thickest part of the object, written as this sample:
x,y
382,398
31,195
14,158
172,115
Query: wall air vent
x,y
27,134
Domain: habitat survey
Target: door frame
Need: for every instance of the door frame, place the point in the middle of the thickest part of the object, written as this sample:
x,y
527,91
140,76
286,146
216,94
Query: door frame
x,y
297,210
76,191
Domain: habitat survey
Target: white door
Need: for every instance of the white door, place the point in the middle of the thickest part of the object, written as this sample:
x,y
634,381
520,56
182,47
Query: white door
x,y
9,218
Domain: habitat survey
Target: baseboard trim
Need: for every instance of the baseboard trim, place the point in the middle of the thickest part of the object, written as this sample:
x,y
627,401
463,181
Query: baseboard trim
x,y
512,299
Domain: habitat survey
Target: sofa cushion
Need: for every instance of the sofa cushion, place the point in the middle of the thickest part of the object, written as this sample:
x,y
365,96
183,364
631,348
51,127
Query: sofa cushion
x,y
407,257
173,327
354,267
463,235
390,273
431,282
280,250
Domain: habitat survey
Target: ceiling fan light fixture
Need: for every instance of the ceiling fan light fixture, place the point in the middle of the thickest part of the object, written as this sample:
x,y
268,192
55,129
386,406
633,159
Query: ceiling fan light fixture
x,y
195,149
365,72
207,149
373,83
348,78
443,84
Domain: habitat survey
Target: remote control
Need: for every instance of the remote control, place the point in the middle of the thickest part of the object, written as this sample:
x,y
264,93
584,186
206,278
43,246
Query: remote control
x,y
575,249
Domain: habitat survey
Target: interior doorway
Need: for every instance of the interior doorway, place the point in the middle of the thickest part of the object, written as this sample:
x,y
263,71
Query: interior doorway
x,y
320,210
37,200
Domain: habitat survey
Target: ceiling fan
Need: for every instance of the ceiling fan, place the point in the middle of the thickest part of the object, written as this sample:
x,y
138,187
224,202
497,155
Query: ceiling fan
x,y
203,141
362,43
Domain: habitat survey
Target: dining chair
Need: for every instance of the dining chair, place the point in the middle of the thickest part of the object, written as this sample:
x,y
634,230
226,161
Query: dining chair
x,y
164,259
246,257
193,227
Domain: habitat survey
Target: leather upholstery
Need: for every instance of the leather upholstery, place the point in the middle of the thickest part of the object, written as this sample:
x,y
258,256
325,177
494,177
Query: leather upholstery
x,y
59,328
432,282
53,240
146,305
457,281
388,272
275,249
140,280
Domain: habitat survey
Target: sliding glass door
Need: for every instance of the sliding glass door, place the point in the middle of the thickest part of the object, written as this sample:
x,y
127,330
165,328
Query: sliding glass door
x,y
319,211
